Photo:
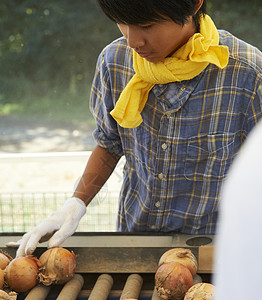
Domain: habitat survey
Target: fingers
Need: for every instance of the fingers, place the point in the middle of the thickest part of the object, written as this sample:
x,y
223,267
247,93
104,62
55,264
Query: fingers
x,y
22,245
56,240
66,230
25,246
32,242
29,243
41,232
21,250
14,244
58,227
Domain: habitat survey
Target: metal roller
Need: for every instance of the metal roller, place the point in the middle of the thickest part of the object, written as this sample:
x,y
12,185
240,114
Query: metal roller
x,y
102,287
132,287
39,292
72,288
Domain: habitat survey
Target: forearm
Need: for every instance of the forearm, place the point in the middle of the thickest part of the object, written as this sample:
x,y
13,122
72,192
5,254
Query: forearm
x,y
63,223
99,167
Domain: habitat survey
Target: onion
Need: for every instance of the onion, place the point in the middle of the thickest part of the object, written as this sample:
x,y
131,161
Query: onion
x,y
5,296
59,266
172,280
21,274
181,255
5,259
201,291
2,278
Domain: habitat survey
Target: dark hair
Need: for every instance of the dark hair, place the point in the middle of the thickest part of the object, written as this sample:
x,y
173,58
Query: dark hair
x,y
138,12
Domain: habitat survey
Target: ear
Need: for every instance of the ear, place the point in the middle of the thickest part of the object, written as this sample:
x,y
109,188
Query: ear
x,y
199,3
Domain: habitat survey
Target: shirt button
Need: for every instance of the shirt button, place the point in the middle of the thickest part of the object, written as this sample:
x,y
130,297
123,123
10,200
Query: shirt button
x,y
164,146
161,176
157,204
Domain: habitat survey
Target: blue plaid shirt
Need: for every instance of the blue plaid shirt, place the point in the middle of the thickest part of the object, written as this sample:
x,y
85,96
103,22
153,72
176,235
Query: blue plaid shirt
x,y
177,159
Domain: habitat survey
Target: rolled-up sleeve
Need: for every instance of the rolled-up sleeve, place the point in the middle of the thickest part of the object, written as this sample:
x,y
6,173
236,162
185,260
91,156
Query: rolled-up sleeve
x,y
101,103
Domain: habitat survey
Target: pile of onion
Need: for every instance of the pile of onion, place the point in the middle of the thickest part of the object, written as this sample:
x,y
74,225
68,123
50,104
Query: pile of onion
x,y
201,291
21,274
181,255
58,266
172,280
5,259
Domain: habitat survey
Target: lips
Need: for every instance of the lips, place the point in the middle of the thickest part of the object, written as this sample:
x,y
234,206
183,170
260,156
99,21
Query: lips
x,y
143,54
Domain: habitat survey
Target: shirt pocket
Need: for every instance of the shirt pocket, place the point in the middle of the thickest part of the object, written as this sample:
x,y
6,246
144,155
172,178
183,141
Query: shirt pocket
x,y
209,156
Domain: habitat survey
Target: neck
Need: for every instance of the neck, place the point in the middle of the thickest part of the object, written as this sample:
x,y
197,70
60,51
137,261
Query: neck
x,y
190,28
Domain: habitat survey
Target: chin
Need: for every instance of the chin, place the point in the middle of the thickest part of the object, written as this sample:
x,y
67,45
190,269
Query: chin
x,y
153,59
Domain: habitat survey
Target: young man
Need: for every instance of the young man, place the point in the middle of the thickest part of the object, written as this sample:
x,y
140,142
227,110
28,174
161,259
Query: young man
x,y
177,98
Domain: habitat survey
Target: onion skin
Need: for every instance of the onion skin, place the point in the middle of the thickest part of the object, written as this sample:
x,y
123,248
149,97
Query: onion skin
x,y
59,266
201,291
172,280
21,274
181,255
10,296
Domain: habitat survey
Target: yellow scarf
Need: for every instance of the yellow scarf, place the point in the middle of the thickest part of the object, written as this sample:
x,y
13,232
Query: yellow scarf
x,y
186,63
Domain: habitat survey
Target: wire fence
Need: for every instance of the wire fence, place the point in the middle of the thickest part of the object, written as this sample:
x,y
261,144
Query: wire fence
x,y
22,210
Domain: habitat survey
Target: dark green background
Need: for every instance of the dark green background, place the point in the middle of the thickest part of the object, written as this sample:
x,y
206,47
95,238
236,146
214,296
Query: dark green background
x,y
48,51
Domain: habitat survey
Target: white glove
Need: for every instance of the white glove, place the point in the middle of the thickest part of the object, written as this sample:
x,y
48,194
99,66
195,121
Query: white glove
x,y
56,228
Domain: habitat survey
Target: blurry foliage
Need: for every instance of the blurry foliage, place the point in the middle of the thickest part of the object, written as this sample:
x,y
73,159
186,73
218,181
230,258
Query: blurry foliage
x,y
240,17
48,50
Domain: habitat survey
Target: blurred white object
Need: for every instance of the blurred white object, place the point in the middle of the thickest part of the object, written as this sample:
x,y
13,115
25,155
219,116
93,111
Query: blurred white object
x,y
238,260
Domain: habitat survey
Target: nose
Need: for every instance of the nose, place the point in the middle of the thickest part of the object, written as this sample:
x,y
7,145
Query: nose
x,y
134,36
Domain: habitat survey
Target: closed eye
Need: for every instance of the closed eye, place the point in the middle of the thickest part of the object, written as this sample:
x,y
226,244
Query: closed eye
x,y
148,26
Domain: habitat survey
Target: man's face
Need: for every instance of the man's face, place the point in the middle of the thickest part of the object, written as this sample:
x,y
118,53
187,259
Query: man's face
x,y
156,41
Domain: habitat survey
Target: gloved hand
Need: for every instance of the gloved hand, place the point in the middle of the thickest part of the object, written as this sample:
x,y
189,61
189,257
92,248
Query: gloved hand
x,y
56,228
